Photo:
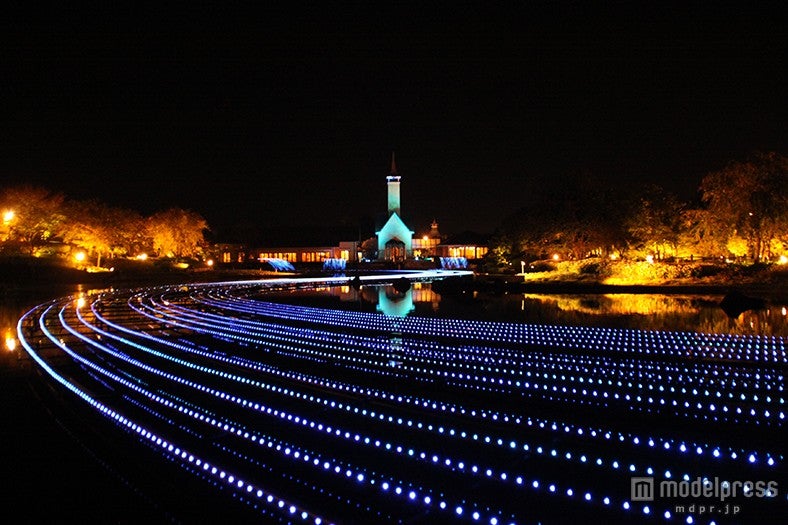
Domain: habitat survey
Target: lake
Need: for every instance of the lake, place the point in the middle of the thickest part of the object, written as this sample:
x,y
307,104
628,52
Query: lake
x,y
675,312
694,313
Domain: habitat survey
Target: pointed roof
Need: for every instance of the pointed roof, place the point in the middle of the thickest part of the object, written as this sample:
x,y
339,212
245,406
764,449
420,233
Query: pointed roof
x,y
395,228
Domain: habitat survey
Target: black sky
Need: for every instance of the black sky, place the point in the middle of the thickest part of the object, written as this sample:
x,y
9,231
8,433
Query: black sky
x,y
288,116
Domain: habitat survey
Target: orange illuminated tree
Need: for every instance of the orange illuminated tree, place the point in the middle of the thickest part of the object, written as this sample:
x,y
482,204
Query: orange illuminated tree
x,y
177,233
750,200
655,222
38,215
102,230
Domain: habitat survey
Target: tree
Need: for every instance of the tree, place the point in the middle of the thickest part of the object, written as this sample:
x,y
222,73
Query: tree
x,y
574,219
369,248
37,215
701,235
750,199
177,233
102,230
501,253
656,222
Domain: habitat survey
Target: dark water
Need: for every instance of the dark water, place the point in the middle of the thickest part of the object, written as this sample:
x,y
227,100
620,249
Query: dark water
x,y
53,468
14,302
694,313
699,313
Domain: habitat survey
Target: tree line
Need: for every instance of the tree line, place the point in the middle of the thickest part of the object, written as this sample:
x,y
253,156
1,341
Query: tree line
x,y
34,219
741,212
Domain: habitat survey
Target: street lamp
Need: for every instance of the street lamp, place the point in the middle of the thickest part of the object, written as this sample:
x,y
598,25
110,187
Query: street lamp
x,y
8,216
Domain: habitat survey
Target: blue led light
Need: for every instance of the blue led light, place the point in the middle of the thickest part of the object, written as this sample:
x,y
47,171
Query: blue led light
x,y
220,343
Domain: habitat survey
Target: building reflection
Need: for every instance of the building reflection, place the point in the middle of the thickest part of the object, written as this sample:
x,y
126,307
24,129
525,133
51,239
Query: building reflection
x,y
387,299
676,312
393,303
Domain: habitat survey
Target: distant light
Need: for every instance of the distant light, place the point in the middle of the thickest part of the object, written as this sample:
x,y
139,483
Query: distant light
x,y
556,256
8,216
426,238
81,302
650,259
142,257
79,256
783,259
10,341
209,262
613,256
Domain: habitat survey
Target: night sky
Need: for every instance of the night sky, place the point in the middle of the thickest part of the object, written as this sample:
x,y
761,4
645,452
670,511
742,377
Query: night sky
x,y
286,117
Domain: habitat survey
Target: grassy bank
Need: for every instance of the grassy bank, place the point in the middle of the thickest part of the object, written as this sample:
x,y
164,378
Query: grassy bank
x,y
605,276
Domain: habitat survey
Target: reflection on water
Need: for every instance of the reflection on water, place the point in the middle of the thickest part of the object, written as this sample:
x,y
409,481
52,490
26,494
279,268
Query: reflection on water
x,y
15,302
395,303
700,313
693,313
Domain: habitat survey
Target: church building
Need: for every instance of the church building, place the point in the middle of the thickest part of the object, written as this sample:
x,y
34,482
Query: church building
x,y
395,239
395,243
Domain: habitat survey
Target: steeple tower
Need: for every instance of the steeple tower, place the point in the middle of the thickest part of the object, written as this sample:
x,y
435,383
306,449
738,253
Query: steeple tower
x,y
392,181
395,239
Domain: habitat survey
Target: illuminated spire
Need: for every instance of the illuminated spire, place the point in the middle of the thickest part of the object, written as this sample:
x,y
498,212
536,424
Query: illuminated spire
x,y
392,181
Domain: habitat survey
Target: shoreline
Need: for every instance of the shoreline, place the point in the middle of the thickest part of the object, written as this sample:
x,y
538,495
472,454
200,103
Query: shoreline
x,y
773,291
772,286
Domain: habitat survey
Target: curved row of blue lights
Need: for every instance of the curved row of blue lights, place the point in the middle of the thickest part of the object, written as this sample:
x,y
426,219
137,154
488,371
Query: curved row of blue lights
x,y
170,339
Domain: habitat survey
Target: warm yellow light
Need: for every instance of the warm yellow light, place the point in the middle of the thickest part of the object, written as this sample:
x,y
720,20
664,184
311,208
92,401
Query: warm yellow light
x,y
10,341
142,257
425,238
650,259
209,262
81,302
613,256
782,260
8,216
79,256
556,256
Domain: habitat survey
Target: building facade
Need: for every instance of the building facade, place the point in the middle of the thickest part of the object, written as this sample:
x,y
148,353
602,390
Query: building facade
x,y
395,239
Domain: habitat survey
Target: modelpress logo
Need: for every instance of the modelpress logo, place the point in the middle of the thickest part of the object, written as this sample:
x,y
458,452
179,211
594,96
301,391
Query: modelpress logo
x,y
644,489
